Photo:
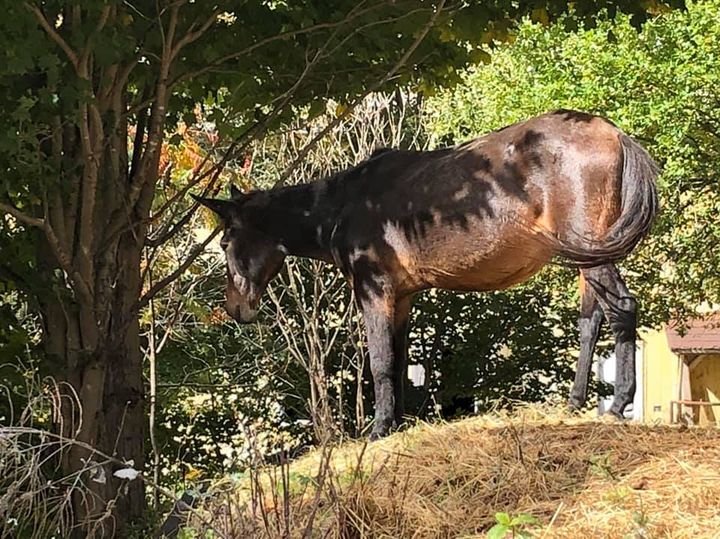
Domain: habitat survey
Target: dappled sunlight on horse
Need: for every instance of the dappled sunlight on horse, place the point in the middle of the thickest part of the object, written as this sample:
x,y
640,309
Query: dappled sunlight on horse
x,y
484,215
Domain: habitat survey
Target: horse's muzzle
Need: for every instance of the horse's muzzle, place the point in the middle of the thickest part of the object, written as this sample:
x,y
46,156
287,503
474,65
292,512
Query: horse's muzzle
x,y
243,314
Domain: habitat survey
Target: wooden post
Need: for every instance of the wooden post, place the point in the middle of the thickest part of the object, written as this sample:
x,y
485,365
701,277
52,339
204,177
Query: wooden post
x,y
685,389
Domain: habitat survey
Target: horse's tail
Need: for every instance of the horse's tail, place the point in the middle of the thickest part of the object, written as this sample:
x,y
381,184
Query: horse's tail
x,y
638,209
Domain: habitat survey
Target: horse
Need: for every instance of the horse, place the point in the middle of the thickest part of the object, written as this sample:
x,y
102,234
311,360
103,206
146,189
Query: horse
x,y
484,215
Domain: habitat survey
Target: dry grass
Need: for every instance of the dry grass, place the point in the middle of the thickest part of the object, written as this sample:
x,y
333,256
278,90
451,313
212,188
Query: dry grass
x,y
579,477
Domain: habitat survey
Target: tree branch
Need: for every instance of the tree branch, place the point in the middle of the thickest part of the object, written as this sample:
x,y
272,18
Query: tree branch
x,y
359,29
340,117
158,286
151,154
168,231
236,146
191,37
102,21
278,37
22,217
54,35
76,280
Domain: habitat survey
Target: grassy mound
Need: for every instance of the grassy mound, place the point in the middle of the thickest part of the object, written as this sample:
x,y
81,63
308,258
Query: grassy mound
x,y
578,477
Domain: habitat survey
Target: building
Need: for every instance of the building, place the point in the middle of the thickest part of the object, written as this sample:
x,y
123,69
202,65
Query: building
x,y
678,374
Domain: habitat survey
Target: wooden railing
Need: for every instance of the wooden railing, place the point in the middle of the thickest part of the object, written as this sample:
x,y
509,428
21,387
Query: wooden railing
x,y
680,403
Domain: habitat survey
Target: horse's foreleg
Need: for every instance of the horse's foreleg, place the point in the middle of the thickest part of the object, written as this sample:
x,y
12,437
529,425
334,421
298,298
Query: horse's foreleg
x,y
378,314
400,334
589,324
620,310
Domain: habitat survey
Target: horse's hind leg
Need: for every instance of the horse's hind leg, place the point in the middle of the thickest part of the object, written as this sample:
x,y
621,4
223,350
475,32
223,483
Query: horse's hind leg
x,y
589,322
400,335
620,310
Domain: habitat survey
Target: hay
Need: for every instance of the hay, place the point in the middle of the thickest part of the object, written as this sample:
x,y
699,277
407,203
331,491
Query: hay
x,y
579,477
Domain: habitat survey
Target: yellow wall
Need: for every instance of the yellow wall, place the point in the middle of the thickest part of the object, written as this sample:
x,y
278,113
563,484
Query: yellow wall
x,y
661,374
705,384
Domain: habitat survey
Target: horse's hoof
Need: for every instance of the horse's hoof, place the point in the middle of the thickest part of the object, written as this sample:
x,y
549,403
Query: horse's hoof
x,y
573,408
612,417
377,435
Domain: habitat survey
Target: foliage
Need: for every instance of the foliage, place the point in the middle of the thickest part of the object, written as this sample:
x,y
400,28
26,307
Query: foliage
x,y
226,395
20,355
496,347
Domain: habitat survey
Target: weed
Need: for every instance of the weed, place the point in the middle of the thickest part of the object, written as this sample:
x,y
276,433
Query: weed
x,y
516,526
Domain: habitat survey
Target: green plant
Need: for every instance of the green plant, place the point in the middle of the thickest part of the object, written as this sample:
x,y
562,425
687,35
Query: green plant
x,y
516,526
641,521
600,465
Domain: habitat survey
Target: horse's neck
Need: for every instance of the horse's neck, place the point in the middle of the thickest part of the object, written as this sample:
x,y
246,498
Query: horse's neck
x,y
300,218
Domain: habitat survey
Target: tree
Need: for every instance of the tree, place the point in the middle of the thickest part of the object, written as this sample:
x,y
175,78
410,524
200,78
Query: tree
x,y
92,90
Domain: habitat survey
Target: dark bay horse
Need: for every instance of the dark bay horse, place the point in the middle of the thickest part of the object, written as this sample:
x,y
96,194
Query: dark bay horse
x,y
484,215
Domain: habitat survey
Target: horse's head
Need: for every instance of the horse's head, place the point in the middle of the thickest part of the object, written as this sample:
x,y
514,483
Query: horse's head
x,y
252,257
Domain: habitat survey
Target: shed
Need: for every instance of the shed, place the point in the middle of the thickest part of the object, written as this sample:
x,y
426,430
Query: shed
x,y
697,345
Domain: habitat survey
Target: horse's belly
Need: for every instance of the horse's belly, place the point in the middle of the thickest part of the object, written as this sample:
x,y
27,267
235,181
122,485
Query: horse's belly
x,y
484,256
482,271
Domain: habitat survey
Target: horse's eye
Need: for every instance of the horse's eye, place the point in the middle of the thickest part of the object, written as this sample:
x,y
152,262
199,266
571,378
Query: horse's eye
x,y
224,244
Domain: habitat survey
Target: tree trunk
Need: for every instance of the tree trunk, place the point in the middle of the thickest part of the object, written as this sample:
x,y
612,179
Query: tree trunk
x,y
124,403
90,219
94,341
108,384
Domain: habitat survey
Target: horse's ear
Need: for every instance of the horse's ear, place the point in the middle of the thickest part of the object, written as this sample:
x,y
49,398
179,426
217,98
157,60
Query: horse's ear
x,y
235,193
224,208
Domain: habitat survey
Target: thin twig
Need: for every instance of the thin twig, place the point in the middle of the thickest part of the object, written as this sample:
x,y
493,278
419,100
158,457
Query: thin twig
x,y
157,287
378,84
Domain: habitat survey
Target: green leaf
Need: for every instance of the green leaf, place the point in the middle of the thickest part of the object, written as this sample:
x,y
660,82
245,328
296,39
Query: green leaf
x,y
523,519
498,531
317,108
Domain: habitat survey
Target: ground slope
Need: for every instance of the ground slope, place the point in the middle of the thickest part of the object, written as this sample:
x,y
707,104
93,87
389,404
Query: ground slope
x,y
579,478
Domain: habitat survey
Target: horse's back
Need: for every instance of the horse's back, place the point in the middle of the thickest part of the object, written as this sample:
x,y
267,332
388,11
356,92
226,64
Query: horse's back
x,y
467,217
